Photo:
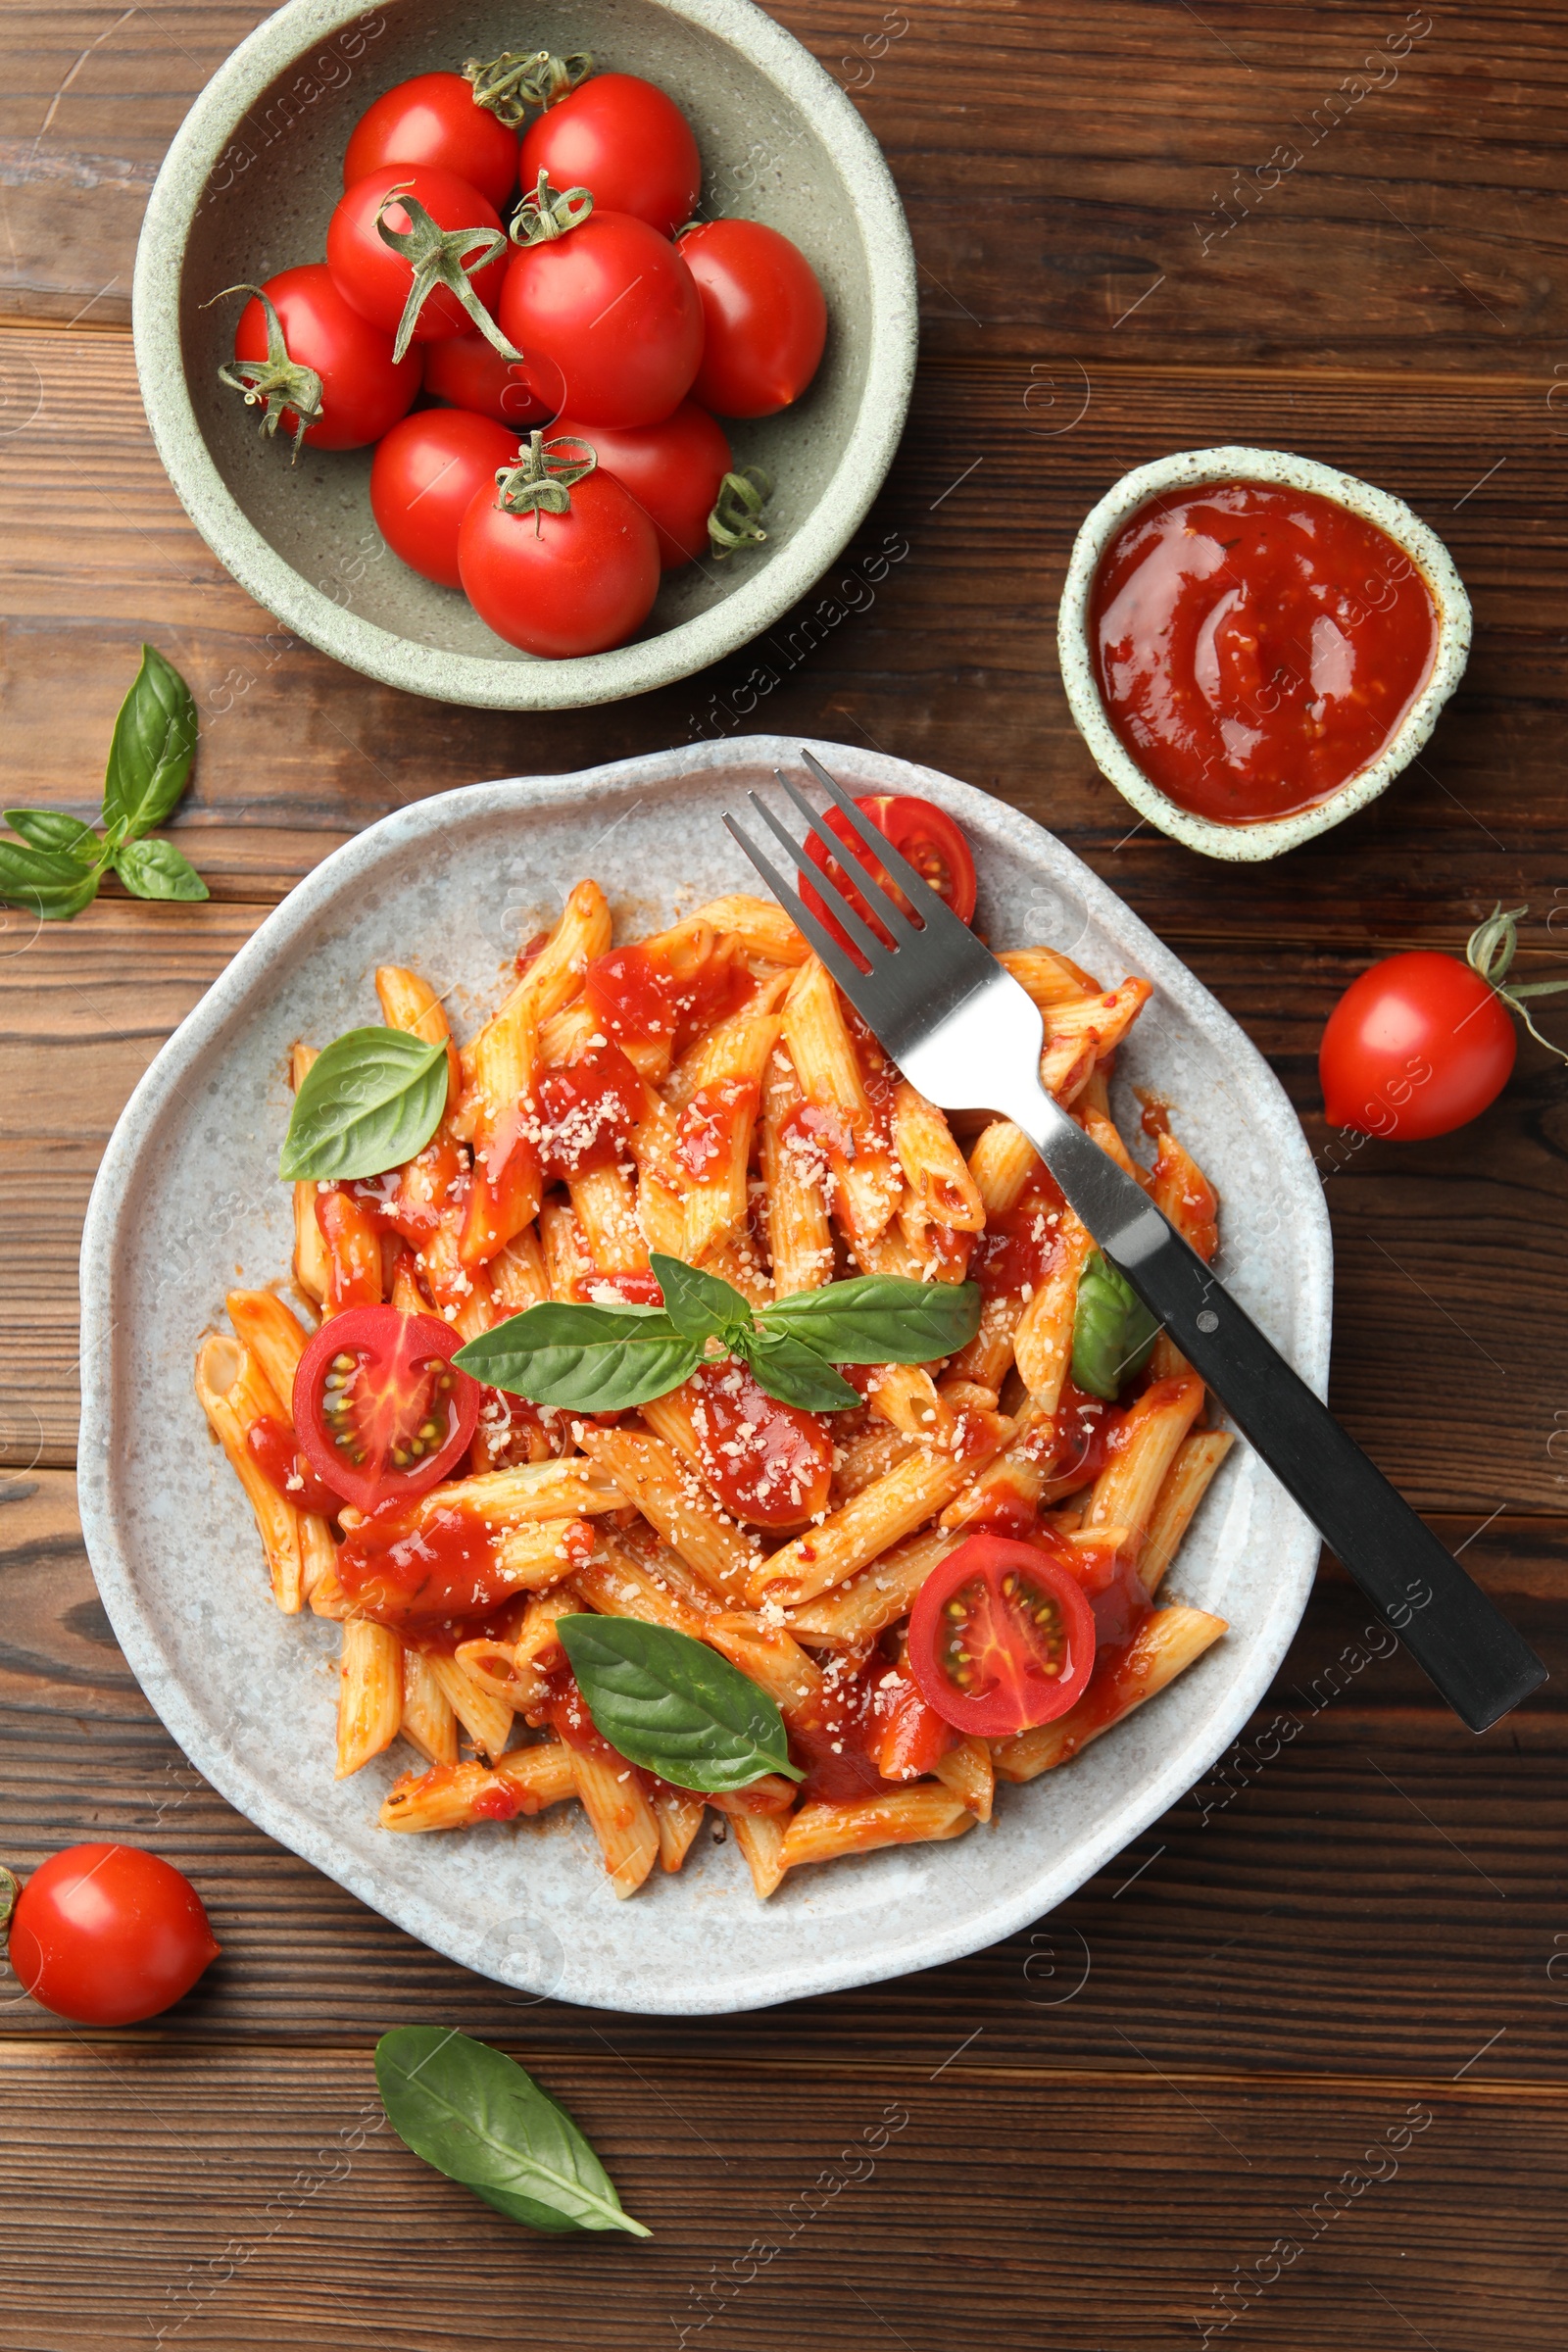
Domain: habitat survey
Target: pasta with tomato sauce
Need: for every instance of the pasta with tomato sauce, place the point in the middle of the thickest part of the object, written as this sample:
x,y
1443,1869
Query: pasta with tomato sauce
x,y
950,1578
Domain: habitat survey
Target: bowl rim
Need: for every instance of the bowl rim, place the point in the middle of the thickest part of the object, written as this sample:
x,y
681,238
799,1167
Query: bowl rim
x,y
1269,836
344,876
513,682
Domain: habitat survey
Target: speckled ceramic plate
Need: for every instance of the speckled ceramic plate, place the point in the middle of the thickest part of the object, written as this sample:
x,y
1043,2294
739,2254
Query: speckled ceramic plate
x,y
188,1195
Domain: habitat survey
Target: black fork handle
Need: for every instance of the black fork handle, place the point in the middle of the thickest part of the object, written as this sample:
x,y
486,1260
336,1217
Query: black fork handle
x,y
1478,1661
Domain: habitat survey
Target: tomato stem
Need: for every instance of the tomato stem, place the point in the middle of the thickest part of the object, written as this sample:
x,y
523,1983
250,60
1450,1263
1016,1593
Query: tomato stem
x,y
440,256
540,483
1490,950
277,382
10,1888
508,84
550,213
736,520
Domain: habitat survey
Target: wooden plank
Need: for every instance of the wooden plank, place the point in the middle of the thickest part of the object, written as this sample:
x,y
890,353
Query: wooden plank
x,y
1450,1253
255,2199
1357,1888
977,519
1117,174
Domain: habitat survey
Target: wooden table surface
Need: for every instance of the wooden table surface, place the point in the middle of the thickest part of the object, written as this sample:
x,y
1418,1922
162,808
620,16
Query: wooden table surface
x,y
1292,2068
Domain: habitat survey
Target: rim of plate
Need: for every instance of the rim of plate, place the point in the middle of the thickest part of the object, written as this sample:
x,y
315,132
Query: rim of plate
x,y
497,681
114,1203
1269,837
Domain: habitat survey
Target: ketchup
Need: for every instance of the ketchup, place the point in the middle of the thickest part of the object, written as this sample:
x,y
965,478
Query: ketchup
x,y
1256,646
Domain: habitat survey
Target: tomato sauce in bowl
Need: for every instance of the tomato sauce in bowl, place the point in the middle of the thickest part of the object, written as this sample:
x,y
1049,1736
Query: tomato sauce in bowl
x,y
1256,646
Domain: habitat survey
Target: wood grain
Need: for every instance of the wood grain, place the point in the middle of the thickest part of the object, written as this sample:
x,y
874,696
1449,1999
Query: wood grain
x,y
785,2209
1120,2112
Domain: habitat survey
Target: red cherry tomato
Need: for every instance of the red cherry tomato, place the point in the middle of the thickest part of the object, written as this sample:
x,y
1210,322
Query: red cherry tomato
x,y
562,584
672,470
363,389
919,831
469,372
377,281
1417,1046
624,141
425,477
433,120
763,317
609,319
1001,1638
108,1934
380,1408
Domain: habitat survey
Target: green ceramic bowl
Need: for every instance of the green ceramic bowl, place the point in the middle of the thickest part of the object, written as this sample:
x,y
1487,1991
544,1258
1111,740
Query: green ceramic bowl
x,y
247,189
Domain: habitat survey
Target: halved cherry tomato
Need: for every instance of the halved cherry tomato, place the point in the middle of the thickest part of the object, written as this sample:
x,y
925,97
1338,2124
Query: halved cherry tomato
x,y
1001,1638
433,120
377,280
425,475
768,1463
919,831
1416,1046
109,1934
623,140
381,1410
469,372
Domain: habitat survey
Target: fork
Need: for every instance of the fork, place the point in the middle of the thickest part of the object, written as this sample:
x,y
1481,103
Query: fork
x,y
964,1032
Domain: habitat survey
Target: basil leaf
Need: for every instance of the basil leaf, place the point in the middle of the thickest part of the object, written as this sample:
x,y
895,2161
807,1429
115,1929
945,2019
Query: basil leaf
x,y
370,1102
796,1374
698,1305
673,1705
591,1359
153,745
53,829
156,870
880,1319
475,2115
1113,1330
52,884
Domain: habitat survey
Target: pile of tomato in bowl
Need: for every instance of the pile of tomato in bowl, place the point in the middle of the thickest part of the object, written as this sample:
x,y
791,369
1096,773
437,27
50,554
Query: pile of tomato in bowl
x,y
544,400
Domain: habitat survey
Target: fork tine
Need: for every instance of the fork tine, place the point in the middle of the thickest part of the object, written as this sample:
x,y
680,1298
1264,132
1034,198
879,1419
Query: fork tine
x,y
861,936
917,890
841,966
854,875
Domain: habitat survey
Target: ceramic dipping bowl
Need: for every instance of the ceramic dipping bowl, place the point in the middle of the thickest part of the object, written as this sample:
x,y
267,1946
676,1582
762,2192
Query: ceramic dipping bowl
x,y
1191,468
247,189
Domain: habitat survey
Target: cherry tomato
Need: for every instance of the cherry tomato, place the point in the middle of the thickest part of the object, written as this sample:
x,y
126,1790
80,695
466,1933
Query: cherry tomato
x,y
469,372
609,319
433,120
108,1934
624,141
763,315
1001,1638
381,1410
672,470
1419,1045
363,389
562,584
425,477
919,831
377,281
768,1463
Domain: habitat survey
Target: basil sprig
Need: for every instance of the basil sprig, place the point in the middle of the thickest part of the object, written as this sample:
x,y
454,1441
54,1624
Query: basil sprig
x,y
479,2117
369,1102
603,1359
674,1706
1112,1330
56,866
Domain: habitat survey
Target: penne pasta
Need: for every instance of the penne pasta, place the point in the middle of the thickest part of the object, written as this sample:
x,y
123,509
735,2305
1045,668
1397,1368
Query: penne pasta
x,y
1181,1491
917,1816
459,1796
622,1820
1167,1641
428,1722
370,1694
